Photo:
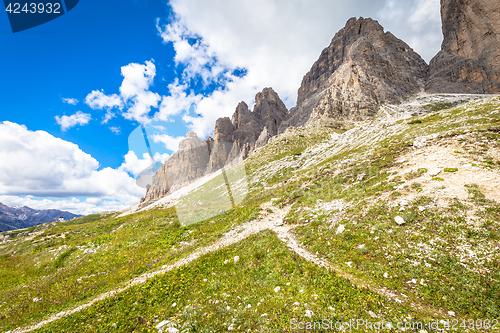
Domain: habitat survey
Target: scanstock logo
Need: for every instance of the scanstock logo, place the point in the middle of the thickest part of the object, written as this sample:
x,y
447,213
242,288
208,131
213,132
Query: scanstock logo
x,y
28,14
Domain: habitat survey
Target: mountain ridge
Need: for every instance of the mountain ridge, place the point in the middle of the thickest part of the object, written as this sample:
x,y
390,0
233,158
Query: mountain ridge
x,y
12,218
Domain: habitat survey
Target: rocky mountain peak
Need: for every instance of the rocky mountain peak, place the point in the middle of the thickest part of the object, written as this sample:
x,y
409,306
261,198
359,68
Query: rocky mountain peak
x,y
270,110
362,68
241,116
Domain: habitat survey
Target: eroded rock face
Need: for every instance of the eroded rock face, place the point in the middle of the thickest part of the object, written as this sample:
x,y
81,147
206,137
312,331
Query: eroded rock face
x,y
362,68
223,143
234,140
469,60
269,110
182,168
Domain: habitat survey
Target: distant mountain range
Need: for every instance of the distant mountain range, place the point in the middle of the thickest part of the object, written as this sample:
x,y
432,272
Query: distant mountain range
x,y
12,218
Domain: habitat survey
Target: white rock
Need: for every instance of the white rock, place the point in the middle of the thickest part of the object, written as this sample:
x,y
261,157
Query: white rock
x,y
451,313
399,220
434,172
277,289
340,229
174,305
161,324
236,259
386,275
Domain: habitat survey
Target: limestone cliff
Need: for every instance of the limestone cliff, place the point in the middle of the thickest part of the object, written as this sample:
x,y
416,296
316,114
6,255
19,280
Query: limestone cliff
x,y
234,140
362,68
469,60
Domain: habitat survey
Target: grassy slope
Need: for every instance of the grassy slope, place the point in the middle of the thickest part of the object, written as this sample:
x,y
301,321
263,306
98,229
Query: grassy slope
x,y
101,253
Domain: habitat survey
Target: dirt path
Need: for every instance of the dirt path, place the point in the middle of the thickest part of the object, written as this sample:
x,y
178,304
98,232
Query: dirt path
x,y
266,221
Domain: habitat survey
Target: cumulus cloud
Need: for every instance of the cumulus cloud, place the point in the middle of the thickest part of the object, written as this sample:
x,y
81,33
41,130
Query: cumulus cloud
x,y
177,101
162,158
97,100
79,118
72,101
135,95
134,165
39,164
170,142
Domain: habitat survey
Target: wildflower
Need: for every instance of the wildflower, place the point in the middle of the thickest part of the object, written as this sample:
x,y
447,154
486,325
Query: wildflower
x,y
277,289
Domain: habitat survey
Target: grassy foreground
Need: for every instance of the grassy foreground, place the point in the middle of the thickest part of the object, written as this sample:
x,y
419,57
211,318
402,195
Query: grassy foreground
x,y
345,187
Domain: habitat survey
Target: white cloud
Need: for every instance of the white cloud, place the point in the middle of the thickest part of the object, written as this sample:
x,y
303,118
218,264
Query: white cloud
x,y
97,100
134,94
39,164
79,118
134,165
177,101
135,90
115,129
170,142
161,157
72,101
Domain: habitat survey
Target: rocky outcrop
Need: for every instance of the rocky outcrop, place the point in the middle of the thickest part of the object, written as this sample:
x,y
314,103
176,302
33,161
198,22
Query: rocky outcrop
x,y
469,60
234,140
362,68
269,110
182,168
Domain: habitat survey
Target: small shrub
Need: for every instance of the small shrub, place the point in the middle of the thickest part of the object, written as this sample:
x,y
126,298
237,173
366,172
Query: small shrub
x,y
416,186
421,171
450,169
439,179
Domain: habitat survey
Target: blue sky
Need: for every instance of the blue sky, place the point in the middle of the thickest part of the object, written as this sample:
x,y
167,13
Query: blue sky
x,y
179,64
